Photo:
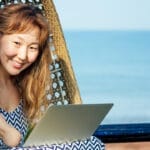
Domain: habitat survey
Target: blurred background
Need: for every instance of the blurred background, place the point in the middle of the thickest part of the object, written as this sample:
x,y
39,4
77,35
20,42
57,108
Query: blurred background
x,y
108,41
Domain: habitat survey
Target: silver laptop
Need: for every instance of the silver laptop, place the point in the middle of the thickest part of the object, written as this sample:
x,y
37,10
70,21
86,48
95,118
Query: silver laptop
x,y
67,123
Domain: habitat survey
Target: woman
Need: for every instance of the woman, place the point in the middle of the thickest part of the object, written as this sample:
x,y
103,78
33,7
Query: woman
x,y
24,71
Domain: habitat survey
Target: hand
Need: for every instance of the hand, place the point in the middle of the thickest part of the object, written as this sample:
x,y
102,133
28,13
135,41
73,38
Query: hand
x,y
9,134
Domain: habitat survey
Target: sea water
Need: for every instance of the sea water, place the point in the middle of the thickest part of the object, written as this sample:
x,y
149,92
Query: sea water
x,y
113,67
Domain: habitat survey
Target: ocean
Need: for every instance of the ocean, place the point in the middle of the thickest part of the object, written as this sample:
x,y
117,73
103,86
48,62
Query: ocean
x,y
113,67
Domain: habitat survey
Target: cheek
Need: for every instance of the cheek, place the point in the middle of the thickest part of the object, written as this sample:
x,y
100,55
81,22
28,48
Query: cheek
x,y
7,50
32,57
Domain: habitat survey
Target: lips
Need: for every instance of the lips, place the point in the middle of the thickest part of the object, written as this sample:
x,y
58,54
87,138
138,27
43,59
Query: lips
x,y
17,65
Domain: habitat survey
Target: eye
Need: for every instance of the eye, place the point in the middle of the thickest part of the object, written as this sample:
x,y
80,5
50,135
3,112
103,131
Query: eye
x,y
33,48
17,43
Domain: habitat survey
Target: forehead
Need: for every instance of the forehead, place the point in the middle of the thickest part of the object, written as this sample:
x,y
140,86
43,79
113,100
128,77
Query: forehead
x,y
35,32
29,36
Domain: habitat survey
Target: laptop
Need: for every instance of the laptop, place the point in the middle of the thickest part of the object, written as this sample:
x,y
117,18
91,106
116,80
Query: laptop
x,y
67,123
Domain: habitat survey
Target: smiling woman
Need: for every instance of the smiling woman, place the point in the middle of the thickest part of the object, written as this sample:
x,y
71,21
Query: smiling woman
x,y
24,54
25,93
18,51
25,66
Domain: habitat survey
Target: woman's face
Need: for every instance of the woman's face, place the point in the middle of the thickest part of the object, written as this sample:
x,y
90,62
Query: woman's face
x,y
18,51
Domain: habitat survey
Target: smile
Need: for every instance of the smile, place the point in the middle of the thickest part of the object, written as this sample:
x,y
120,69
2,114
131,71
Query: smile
x,y
17,65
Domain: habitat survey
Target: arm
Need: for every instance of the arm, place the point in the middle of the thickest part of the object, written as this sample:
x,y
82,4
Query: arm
x,y
9,134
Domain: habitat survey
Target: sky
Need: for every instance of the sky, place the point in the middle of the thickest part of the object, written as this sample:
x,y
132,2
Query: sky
x,y
104,14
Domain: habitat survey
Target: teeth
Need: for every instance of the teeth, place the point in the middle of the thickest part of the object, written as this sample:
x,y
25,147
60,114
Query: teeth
x,y
17,64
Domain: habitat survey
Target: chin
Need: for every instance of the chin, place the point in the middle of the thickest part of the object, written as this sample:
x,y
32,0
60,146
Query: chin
x,y
14,72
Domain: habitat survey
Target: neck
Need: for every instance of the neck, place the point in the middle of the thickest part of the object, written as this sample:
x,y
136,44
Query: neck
x,y
9,94
5,78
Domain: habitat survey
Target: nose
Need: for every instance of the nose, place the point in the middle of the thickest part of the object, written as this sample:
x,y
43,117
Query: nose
x,y
22,53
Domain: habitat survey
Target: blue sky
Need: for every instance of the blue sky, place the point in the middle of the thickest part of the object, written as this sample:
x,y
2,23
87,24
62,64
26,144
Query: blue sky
x,y
104,14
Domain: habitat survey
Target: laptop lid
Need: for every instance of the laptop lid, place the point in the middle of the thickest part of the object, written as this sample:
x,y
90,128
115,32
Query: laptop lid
x,y
67,123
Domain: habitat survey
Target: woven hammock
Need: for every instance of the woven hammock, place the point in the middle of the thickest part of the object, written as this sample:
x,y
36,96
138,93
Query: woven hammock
x,y
64,85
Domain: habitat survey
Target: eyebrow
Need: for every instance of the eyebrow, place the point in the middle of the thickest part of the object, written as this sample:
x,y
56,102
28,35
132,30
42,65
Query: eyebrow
x,y
37,43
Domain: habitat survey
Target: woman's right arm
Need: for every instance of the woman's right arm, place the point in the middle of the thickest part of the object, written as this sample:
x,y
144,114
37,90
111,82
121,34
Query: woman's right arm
x,y
9,134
